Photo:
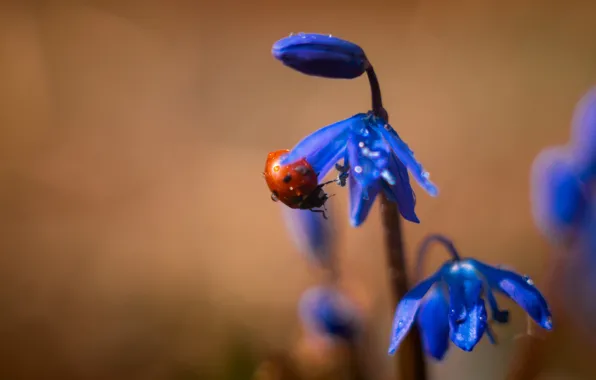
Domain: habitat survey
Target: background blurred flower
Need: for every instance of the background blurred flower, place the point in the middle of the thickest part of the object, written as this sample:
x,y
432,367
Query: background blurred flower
x,y
583,134
450,304
321,55
311,233
377,160
560,198
561,177
326,311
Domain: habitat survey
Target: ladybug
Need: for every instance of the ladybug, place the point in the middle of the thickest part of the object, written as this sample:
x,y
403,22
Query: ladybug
x,y
296,185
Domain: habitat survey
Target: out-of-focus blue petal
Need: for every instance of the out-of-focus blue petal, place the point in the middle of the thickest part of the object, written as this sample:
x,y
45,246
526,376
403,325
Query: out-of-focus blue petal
x,y
467,334
321,55
324,147
520,289
311,233
583,133
559,197
407,308
434,323
361,200
406,155
327,311
401,191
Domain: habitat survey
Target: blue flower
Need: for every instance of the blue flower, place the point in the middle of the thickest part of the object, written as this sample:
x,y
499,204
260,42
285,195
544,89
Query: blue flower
x,y
450,304
321,55
377,160
311,234
326,311
560,198
583,134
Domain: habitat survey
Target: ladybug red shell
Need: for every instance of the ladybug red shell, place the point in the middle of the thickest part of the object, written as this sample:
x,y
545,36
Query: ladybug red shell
x,y
296,184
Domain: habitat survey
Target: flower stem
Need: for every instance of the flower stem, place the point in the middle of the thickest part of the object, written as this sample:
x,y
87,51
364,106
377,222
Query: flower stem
x,y
410,357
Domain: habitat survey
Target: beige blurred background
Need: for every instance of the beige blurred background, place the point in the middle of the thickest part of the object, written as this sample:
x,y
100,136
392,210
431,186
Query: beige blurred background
x,y
137,237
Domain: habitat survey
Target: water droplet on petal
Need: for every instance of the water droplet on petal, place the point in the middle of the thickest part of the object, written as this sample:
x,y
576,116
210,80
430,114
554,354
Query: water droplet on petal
x,y
400,324
361,144
549,322
425,175
528,280
387,176
358,169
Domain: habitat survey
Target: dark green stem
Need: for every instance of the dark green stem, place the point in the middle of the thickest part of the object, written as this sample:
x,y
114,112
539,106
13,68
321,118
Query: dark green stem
x,y
410,356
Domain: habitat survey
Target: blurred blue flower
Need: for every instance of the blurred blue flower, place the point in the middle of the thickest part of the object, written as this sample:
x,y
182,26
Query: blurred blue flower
x,y
321,55
560,198
561,177
450,304
377,160
312,235
583,135
328,312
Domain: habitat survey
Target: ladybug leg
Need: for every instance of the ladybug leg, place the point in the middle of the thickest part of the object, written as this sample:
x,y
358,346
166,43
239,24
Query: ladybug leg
x,y
319,212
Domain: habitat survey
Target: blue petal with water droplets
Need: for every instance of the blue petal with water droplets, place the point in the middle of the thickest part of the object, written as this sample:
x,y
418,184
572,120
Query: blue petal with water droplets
x,y
368,154
324,147
406,155
519,289
467,333
321,55
407,308
401,191
361,200
434,323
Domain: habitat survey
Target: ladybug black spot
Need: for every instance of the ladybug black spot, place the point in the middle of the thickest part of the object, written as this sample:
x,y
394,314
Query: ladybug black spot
x,y
287,178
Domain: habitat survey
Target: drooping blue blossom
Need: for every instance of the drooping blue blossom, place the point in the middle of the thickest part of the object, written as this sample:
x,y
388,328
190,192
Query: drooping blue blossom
x,y
377,160
450,304
312,235
374,156
321,55
328,312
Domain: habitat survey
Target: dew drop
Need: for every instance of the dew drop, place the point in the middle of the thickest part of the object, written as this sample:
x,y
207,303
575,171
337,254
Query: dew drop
x,y
291,34
528,280
361,144
400,324
425,175
549,322
358,169
387,176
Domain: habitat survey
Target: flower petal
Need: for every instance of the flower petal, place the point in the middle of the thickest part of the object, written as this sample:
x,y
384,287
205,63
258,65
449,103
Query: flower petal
x,y
406,155
583,133
311,233
406,310
468,333
401,191
520,289
361,200
328,311
321,55
559,197
324,147
434,323
369,155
